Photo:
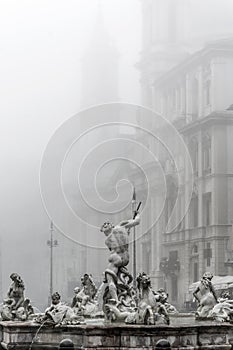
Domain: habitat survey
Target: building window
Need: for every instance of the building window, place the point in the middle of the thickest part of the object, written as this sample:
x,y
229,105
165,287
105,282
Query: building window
x,y
193,212
207,209
194,99
173,104
178,100
174,285
207,92
174,266
193,150
173,255
171,197
195,272
166,212
208,254
206,154
194,266
195,249
146,253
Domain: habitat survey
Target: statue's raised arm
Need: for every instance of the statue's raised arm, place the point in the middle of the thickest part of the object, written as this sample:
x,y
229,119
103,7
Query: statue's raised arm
x,y
131,222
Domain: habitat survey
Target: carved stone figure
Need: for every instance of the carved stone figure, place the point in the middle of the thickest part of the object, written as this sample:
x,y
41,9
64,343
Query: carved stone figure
x,y
150,308
76,302
223,310
162,297
16,292
148,311
15,306
83,301
205,295
58,314
117,276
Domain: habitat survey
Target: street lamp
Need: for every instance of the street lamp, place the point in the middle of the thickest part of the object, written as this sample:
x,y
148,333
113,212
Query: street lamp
x,y
52,243
133,203
135,209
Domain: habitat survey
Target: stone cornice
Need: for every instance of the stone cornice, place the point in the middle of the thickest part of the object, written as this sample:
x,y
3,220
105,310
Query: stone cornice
x,y
215,118
192,61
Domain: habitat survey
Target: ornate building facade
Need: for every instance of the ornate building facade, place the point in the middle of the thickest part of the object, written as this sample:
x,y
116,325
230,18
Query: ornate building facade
x,y
195,93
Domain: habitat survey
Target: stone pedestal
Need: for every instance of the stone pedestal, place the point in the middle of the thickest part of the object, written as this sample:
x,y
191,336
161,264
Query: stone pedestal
x,y
117,337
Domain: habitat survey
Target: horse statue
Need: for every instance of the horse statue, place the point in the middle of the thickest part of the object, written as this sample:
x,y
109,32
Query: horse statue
x,y
223,310
150,308
144,309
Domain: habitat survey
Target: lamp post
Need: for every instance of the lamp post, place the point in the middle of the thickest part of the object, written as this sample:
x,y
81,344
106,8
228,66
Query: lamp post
x,y
51,244
134,237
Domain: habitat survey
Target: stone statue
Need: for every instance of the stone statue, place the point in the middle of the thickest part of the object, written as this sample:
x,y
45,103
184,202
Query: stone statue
x,y
83,301
15,306
76,303
117,276
151,310
15,295
162,297
147,311
223,310
205,296
58,314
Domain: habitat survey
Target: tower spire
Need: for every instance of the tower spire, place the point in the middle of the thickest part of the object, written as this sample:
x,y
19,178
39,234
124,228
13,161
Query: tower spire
x,y
100,65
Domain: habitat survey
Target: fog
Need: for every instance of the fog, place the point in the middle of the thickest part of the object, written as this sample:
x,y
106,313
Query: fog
x,y
44,47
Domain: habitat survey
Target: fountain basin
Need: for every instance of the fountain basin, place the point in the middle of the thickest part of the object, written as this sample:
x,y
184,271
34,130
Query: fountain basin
x,y
200,335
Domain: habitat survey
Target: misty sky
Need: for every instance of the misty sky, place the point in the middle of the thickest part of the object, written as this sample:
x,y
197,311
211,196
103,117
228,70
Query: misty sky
x,y
42,43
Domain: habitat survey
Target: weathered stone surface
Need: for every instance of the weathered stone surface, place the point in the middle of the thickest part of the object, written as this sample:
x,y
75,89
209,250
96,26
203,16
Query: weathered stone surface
x,y
20,336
